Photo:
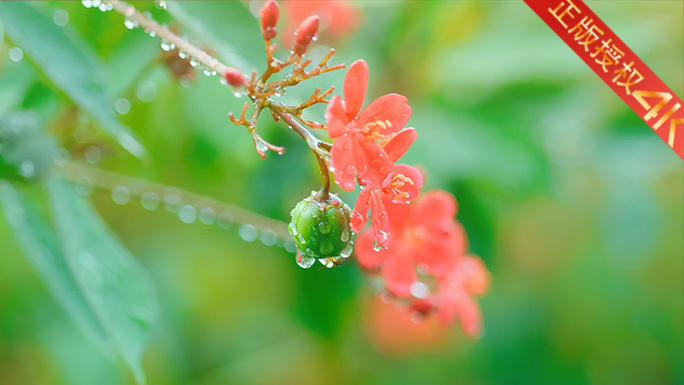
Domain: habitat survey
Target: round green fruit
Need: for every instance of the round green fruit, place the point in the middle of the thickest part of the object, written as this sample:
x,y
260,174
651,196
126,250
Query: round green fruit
x,y
321,229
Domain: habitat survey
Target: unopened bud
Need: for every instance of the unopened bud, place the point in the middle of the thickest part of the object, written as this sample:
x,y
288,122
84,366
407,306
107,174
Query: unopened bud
x,y
269,18
234,77
305,33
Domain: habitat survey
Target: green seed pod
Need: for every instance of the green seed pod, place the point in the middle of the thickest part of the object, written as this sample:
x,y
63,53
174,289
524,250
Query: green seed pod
x,y
321,229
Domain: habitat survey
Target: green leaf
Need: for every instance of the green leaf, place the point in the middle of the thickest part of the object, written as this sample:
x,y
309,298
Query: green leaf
x,y
227,26
38,240
110,278
71,65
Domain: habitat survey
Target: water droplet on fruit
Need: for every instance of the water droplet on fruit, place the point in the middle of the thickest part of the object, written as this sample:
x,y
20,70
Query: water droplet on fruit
x,y
347,251
324,227
304,262
345,236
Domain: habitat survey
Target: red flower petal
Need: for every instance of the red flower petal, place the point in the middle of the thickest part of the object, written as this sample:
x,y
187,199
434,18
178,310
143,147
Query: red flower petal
x,y
335,118
367,257
360,213
342,162
473,274
391,111
434,207
441,249
355,85
471,318
379,220
399,273
397,147
371,162
404,184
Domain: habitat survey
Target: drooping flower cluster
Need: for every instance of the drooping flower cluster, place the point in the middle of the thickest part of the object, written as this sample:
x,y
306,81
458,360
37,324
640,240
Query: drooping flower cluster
x,y
367,144
426,262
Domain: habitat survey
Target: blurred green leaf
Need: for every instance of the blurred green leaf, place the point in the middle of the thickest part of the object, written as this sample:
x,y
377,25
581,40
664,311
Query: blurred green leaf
x,y
111,279
63,56
39,242
25,150
227,26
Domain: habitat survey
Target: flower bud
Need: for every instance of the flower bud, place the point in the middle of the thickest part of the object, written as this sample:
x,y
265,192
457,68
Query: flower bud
x,y
234,77
269,18
304,34
321,230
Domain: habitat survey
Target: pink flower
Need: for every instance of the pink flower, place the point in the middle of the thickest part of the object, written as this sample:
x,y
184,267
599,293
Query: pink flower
x,y
337,17
422,234
454,298
356,151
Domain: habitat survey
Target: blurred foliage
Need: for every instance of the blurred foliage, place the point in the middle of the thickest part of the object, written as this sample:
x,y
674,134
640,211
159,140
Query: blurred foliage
x,y
575,206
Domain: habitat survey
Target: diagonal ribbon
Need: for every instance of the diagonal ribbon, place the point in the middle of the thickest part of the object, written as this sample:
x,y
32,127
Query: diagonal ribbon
x,y
617,65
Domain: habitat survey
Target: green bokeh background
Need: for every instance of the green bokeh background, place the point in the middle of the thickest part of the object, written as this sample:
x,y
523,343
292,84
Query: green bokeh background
x,y
574,205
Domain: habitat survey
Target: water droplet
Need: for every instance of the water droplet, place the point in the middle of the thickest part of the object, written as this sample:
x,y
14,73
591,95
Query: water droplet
x,y
324,227
16,54
207,216
27,169
130,24
182,55
194,62
261,147
349,170
304,262
268,238
161,4
149,201
300,239
292,212
309,253
345,236
62,158
347,251
60,17
146,91
225,220
315,38
87,3
84,185
386,297
166,46
122,106
151,32
419,290
187,214
172,200
121,195
238,93
289,246
248,233
279,92
326,247
102,7
377,246
416,317
93,154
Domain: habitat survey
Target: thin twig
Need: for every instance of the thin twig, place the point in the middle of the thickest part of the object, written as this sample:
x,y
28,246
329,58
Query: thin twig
x,y
129,12
109,180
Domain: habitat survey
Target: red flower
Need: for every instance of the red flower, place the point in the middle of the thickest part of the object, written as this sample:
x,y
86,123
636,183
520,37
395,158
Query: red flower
x,y
422,234
356,151
454,298
337,17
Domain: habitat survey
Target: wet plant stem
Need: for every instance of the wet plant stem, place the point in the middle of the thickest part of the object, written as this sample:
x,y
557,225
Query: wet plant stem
x,y
148,24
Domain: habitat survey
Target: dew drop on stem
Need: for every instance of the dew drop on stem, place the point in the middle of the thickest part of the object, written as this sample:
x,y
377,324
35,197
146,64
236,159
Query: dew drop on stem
x,y
149,201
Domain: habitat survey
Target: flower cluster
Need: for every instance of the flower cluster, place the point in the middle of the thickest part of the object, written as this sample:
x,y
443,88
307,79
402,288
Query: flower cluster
x,y
426,263
367,144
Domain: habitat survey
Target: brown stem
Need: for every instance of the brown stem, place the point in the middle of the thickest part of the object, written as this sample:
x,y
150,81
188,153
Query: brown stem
x,y
148,24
